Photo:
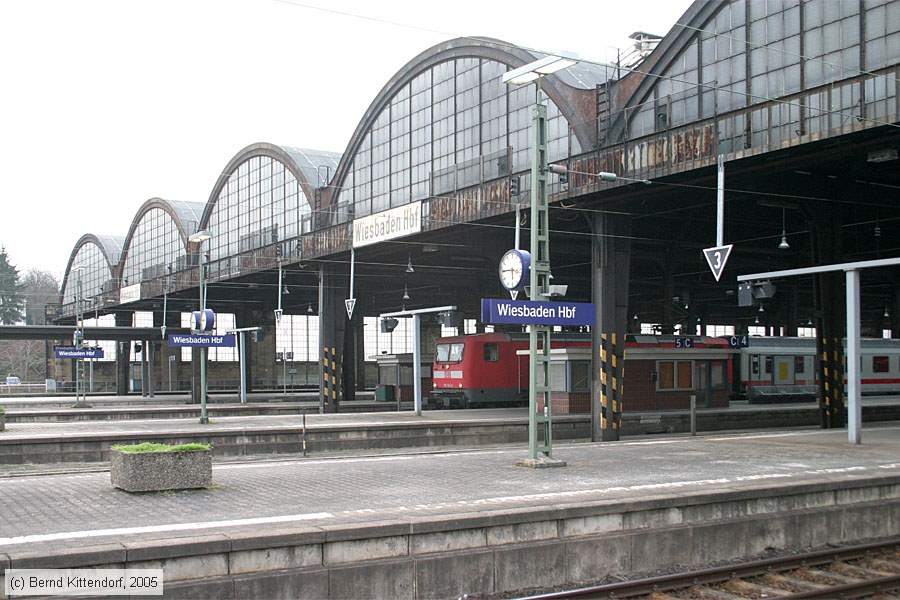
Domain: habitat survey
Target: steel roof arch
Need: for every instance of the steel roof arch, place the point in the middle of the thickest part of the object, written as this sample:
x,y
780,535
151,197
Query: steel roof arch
x,y
577,104
181,212
111,248
303,165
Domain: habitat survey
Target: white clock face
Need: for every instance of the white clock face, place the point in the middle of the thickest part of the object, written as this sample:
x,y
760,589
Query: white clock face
x,y
512,270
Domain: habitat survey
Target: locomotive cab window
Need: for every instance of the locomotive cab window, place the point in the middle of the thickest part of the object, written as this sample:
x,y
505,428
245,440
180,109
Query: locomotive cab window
x,y
880,364
491,352
449,352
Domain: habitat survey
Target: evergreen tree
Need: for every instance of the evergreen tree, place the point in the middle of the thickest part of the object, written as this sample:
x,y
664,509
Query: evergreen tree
x,y
12,298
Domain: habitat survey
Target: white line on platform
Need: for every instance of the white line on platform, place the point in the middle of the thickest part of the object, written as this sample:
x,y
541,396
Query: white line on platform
x,y
291,463
70,535
579,495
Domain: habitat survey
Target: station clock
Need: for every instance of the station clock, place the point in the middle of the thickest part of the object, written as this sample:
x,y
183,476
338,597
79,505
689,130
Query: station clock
x,y
515,269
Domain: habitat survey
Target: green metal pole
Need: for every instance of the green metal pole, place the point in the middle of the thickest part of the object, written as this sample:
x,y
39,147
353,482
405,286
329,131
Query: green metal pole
x,y
79,328
539,374
204,419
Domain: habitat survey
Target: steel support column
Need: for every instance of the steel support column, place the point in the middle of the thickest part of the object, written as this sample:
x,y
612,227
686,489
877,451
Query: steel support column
x,y
332,322
123,355
611,260
829,320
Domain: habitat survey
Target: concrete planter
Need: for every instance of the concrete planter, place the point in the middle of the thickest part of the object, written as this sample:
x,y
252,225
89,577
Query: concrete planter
x,y
160,471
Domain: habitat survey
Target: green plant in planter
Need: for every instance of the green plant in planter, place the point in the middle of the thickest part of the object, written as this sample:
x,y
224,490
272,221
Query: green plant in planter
x,y
152,467
2,410
154,447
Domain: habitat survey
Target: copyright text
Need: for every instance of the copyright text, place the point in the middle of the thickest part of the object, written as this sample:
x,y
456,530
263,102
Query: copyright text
x,y
83,582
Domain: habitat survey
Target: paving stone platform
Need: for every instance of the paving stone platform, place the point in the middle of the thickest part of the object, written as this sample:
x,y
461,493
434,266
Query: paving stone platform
x,y
334,524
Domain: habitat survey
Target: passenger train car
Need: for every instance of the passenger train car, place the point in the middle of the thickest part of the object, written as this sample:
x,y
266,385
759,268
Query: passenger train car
x,y
661,372
773,368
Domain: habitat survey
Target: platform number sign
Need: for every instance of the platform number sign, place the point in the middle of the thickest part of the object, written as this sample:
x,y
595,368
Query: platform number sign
x,y
717,257
739,341
684,343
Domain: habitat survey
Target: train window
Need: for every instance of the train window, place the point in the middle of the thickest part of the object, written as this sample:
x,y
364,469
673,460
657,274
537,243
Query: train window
x,y
798,364
880,364
442,353
755,363
768,367
448,352
456,352
491,352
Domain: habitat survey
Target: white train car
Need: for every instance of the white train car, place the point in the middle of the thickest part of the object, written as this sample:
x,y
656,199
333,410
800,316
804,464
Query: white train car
x,y
773,368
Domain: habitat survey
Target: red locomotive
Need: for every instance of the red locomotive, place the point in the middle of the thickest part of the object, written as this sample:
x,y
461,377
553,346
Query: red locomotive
x,y
485,370
491,369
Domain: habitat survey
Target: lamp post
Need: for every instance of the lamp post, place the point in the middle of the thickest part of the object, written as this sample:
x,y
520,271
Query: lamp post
x,y
539,335
278,314
198,238
79,339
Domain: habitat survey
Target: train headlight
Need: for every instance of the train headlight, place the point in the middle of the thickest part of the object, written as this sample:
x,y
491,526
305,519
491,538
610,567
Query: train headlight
x,y
460,386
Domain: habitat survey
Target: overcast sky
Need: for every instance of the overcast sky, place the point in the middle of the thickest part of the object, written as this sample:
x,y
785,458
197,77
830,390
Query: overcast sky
x,y
105,104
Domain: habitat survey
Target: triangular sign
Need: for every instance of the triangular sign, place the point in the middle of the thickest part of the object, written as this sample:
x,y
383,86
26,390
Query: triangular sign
x,y
514,294
350,303
717,257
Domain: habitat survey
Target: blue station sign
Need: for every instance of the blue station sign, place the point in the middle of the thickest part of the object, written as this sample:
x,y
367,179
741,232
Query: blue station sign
x,y
528,312
73,352
201,341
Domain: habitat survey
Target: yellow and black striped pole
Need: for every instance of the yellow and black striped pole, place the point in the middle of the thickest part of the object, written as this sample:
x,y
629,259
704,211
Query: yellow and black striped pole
x,y
331,377
826,386
612,372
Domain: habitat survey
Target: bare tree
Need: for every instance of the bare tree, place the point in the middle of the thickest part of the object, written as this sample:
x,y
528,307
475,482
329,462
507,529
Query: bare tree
x,y
41,288
26,358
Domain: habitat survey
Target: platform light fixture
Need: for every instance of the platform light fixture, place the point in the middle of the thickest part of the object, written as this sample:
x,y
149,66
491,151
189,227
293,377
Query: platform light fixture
x,y
538,68
784,243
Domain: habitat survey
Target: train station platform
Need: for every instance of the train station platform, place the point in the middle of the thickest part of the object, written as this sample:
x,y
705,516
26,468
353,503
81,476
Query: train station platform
x,y
444,524
49,430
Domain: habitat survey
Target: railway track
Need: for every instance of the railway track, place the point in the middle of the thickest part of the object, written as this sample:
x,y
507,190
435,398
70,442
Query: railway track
x,y
863,571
